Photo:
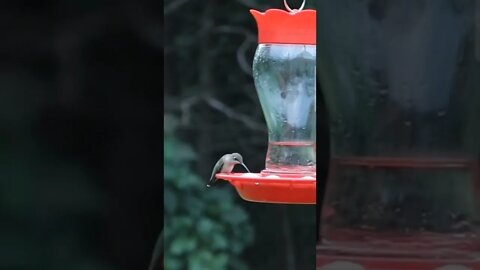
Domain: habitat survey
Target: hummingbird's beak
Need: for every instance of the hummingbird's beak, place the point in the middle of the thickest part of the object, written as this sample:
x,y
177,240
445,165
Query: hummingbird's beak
x,y
245,167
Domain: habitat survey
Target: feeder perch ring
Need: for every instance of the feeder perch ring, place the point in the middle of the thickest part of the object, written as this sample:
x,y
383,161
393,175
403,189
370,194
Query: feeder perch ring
x,y
267,188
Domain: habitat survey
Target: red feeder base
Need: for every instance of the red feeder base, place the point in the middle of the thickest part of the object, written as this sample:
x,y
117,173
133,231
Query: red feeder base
x,y
285,189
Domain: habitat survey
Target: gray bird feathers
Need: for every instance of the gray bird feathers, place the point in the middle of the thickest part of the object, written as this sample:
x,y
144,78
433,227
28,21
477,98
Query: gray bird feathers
x,y
225,165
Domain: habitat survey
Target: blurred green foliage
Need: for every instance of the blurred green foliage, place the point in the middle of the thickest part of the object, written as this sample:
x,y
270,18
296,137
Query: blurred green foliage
x,y
204,228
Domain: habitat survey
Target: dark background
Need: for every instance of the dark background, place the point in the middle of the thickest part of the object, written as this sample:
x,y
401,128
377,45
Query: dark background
x,y
80,133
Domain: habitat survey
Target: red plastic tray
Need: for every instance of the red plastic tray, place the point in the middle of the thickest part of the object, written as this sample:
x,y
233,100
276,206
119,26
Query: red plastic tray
x,y
284,189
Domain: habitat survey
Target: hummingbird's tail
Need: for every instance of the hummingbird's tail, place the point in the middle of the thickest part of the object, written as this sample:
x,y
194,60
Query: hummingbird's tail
x,y
212,181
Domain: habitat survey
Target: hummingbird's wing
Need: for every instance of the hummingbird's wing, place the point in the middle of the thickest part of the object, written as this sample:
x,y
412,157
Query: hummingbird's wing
x,y
216,169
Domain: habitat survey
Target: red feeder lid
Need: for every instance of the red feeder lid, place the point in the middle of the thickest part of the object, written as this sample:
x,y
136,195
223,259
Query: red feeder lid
x,y
283,27
288,189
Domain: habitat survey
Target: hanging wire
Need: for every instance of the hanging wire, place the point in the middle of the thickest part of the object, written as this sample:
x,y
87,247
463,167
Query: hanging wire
x,y
293,10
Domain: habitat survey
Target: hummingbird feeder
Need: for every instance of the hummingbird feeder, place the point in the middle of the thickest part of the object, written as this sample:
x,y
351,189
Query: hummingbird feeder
x,y
284,71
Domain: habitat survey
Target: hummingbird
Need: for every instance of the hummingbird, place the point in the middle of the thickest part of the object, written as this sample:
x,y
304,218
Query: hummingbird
x,y
225,165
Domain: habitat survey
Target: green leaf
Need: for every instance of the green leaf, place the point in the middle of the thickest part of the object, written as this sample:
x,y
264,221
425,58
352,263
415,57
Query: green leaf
x,y
219,241
205,226
235,216
170,200
172,263
182,244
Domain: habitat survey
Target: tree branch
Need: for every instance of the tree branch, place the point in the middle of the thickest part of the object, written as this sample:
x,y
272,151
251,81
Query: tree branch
x,y
242,49
223,108
250,4
174,6
187,104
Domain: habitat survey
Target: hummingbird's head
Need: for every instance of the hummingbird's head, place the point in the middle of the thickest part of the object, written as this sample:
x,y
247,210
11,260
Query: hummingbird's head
x,y
236,158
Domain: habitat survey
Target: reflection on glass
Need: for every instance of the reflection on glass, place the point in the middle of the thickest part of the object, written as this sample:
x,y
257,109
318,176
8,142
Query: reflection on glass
x,y
285,80
401,86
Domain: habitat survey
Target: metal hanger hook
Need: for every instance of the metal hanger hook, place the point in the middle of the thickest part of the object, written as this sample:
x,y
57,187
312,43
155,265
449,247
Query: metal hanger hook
x,y
293,10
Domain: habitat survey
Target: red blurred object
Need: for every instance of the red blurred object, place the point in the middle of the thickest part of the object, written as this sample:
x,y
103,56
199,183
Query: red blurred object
x,y
267,188
332,262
